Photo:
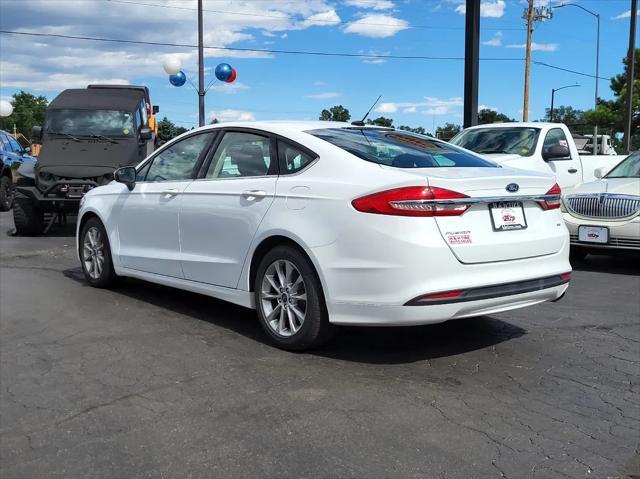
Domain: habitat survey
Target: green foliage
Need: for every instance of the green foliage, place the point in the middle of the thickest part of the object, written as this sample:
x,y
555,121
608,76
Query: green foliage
x,y
564,114
381,121
166,130
486,115
448,131
28,111
420,130
335,113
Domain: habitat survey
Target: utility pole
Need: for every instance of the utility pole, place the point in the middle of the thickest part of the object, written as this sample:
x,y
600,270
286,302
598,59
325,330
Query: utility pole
x,y
628,133
201,87
471,64
531,15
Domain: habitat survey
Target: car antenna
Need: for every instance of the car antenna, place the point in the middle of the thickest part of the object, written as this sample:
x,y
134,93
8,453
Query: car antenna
x,y
361,122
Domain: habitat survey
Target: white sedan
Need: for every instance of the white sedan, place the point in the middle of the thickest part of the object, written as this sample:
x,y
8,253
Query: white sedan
x,y
316,224
604,215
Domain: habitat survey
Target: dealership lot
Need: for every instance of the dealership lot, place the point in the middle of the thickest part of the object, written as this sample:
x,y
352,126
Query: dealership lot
x,y
145,381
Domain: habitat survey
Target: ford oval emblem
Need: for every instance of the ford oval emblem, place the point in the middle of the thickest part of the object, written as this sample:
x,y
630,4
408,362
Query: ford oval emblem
x,y
512,187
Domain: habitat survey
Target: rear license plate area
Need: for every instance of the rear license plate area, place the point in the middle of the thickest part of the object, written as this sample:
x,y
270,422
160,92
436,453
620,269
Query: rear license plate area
x,y
593,234
507,216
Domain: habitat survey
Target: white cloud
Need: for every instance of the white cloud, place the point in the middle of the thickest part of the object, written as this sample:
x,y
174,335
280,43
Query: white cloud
x,y
375,57
231,115
487,107
372,4
323,96
330,17
488,9
538,47
496,41
428,105
626,14
229,88
319,83
376,25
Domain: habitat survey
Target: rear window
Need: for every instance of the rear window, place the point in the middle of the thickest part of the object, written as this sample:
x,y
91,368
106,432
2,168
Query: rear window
x,y
399,149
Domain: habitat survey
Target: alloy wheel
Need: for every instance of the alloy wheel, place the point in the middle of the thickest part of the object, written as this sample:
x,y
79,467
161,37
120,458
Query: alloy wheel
x,y
283,295
93,252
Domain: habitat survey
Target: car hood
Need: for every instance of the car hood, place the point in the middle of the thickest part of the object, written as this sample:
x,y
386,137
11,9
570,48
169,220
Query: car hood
x,y
86,158
620,186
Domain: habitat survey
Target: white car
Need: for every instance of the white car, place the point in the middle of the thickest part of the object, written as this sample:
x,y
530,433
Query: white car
x,y
604,215
316,224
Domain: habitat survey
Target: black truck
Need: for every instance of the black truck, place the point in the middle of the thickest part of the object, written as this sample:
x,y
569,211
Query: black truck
x,y
88,134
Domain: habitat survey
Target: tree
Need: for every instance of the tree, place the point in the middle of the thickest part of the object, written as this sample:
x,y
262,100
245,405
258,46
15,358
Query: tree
x,y
166,130
565,114
487,115
381,121
419,130
335,113
28,111
448,131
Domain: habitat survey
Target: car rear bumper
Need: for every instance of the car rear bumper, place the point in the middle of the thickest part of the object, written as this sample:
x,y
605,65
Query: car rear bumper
x,y
623,235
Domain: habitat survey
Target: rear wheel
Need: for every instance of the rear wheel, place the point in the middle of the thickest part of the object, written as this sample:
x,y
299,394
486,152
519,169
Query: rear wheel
x,y
289,300
27,218
577,253
95,255
6,193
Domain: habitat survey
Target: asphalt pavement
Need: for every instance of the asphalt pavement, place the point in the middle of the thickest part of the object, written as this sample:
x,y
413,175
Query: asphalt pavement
x,y
146,381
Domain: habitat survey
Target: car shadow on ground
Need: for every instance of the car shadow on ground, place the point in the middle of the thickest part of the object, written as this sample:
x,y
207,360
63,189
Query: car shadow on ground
x,y
620,263
389,345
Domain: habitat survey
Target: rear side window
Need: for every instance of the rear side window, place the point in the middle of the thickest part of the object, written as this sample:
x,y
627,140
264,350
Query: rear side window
x,y
292,159
399,149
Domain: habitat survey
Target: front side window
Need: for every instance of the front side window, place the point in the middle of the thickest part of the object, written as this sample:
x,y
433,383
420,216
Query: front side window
x,y
242,154
628,168
509,140
14,145
399,149
555,137
111,123
178,161
292,159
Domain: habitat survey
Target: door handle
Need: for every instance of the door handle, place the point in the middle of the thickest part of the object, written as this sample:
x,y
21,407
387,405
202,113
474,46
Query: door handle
x,y
572,170
171,192
254,194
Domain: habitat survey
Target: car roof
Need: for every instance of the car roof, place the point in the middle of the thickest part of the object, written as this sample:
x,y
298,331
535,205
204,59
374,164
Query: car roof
x,y
288,126
97,99
517,124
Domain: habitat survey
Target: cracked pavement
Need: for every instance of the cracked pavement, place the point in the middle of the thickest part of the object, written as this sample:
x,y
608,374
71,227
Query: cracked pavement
x,y
145,381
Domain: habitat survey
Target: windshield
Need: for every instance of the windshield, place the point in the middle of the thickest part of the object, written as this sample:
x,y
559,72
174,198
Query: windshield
x,y
76,123
628,168
399,149
513,140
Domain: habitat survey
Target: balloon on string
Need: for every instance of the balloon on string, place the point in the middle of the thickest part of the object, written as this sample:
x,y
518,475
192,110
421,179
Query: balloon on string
x,y
178,79
6,108
232,77
172,65
223,71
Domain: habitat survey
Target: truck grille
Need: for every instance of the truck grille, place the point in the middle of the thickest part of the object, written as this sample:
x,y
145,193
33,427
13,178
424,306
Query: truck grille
x,y
603,205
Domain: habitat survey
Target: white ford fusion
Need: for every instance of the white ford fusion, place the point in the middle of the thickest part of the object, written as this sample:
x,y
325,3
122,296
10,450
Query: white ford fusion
x,y
316,224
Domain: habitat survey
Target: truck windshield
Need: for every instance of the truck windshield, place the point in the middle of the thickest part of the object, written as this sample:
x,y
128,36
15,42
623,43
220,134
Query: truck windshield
x,y
398,148
76,123
512,140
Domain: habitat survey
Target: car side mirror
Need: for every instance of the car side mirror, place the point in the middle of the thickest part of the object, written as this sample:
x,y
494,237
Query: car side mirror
x,y
155,109
27,150
126,175
36,132
600,172
146,134
556,152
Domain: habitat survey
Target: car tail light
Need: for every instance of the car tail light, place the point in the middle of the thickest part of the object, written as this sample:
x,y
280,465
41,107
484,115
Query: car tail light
x,y
566,276
552,203
413,201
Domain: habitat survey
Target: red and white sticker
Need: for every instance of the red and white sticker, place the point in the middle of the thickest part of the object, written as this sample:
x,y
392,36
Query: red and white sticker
x,y
459,237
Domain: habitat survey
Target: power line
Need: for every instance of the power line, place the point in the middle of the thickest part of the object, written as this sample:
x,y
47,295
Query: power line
x,y
287,52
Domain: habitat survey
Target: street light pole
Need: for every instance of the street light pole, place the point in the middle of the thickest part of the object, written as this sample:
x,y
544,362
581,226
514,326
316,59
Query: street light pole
x,y
553,92
595,102
201,87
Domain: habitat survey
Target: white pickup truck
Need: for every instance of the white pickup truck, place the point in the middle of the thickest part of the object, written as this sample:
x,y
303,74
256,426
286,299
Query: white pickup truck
x,y
545,147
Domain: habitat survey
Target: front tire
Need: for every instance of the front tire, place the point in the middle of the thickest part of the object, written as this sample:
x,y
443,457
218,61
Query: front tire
x,y
27,218
6,193
290,302
95,255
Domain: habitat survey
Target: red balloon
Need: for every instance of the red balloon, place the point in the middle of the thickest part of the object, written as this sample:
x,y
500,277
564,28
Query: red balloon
x,y
232,77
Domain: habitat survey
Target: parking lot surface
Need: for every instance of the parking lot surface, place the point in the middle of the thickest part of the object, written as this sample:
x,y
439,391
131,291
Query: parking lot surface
x,y
145,381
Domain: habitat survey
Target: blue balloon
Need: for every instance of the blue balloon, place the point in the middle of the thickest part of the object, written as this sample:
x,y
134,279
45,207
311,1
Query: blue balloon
x,y
223,71
178,79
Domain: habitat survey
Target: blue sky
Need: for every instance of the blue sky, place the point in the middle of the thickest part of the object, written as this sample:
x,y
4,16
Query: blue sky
x,y
420,92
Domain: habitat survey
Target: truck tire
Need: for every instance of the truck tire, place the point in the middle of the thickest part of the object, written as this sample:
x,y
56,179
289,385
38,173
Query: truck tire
x,y
28,220
6,193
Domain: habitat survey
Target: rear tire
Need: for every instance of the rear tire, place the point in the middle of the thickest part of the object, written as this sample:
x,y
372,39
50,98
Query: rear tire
x,y
6,193
95,255
577,253
28,219
289,301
